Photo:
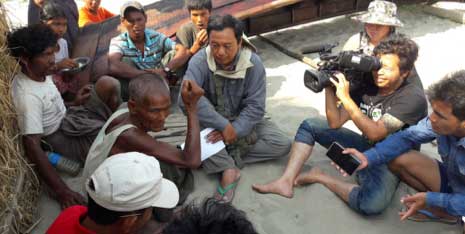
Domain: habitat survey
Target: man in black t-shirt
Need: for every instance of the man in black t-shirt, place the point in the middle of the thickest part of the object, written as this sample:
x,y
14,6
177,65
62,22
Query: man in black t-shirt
x,y
390,106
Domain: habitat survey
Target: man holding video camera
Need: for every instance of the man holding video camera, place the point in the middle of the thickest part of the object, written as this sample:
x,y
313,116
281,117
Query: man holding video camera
x,y
390,104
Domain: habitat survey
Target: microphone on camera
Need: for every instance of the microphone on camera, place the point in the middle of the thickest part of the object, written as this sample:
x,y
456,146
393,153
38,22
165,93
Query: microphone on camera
x,y
318,48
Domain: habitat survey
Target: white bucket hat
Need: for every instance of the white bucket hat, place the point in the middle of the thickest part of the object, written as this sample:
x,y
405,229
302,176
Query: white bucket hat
x,y
131,181
380,12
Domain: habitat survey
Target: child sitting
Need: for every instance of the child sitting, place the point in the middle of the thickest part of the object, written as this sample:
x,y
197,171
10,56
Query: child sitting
x,y
53,16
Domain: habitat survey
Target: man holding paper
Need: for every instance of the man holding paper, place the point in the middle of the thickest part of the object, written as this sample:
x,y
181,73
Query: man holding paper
x,y
233,78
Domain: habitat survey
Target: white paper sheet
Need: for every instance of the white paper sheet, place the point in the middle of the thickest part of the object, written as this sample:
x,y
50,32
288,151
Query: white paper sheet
x,y
208,149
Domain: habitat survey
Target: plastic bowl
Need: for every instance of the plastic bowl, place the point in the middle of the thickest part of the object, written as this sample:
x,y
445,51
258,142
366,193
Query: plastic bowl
x,y
82,64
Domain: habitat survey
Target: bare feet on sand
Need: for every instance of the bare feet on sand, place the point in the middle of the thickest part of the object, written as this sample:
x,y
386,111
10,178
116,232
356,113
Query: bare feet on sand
x,y
309,177
280,187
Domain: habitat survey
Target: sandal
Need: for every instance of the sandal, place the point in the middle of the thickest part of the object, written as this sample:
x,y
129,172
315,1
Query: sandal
x,y
428,216
226,195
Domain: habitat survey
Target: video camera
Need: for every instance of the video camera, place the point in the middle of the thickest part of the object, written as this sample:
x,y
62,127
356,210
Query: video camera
x,y
354,65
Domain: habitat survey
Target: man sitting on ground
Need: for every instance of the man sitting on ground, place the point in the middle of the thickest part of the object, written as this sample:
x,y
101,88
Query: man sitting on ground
x,y
148,107
92,13
234,104
121,194
141,50
211,217
388,106
441,185
42,115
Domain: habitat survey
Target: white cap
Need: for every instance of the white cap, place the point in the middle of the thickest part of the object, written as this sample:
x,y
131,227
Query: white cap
x,y
134,4
131,181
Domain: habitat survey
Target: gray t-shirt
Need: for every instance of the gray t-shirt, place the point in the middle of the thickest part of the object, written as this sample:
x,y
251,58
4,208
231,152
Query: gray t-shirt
x,y
186,35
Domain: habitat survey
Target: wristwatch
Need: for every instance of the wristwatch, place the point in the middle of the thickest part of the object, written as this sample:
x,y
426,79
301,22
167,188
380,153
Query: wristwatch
x,y
167,70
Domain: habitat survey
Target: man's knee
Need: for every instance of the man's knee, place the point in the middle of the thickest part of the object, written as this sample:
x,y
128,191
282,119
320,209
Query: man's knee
x,y
109,91
377,187
275,139
366,204
219,162
106,82
309,128
372,209
280,145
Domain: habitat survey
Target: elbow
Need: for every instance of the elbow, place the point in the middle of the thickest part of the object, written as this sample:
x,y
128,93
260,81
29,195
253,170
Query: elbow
x,y
194,165
192,161
112,69
333,122
181,50
334,125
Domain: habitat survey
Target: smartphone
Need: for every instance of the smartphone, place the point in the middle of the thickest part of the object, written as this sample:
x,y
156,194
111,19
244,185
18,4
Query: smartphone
x,y
347,162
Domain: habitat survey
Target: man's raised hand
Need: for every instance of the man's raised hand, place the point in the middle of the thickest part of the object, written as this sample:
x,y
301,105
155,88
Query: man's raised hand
x,y
191,93
202,37
342,86
201,40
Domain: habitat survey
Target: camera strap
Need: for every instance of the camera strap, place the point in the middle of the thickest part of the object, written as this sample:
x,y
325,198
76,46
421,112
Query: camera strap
x,y
241,146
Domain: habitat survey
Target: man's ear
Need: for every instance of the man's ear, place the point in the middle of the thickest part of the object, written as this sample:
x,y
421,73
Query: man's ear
x,y
132,106
127,224
404,75
24,61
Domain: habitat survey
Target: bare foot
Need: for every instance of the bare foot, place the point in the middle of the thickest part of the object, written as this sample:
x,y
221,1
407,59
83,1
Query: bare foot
x,y
280,187
309,177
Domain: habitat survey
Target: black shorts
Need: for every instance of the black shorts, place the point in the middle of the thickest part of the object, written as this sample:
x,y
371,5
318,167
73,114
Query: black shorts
x,y
445,187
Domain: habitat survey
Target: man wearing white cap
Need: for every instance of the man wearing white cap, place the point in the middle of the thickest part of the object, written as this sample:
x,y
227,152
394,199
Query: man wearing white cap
x,y
121,194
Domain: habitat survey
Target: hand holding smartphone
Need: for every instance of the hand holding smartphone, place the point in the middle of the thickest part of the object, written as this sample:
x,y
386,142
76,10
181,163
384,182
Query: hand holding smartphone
x,y
348,162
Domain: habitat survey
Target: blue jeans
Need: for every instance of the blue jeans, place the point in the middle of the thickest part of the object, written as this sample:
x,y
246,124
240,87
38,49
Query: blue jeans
x,y
377,184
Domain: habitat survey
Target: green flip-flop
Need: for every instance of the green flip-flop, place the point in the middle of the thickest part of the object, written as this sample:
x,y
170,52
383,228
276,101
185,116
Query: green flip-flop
x,y
226,194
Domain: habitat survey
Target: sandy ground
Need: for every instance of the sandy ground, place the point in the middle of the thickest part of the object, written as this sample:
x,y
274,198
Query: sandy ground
x,y
314,209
